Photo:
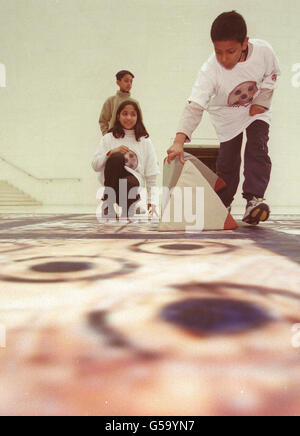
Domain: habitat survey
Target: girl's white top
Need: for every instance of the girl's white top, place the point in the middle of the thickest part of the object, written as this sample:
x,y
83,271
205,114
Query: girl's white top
x,y
147,164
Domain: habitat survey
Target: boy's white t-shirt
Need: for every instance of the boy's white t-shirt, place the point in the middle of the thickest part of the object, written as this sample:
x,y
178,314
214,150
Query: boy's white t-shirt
x,y
144,164
228,94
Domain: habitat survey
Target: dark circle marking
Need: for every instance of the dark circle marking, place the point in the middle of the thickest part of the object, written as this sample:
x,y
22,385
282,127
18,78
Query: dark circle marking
x,y
146,247
125,267
215,316
184,247
62,267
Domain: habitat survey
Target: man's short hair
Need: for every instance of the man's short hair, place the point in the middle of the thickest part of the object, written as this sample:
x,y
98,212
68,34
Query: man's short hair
x,y
123,73
229,26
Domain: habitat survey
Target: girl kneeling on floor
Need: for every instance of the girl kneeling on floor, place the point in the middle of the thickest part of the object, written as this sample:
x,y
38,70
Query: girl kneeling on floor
x,y
126,154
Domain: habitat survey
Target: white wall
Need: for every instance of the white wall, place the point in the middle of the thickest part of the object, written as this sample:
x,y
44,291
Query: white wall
x,y
59,58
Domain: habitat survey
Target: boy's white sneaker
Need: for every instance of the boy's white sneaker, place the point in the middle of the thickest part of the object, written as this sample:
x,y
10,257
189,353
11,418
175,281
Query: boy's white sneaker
x,y
256,211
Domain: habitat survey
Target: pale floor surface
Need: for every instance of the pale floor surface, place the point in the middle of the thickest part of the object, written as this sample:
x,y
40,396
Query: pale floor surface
x,y
122,320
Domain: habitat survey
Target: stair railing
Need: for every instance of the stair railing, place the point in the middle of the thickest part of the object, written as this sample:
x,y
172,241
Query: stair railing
x,y
45,180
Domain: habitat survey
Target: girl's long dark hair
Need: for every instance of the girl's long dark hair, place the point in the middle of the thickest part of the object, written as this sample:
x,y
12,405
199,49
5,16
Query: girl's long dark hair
x,y
139,129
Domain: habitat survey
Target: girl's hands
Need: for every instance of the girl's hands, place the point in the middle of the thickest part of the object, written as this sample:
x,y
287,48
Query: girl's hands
x,y
257,109
122,149
152,209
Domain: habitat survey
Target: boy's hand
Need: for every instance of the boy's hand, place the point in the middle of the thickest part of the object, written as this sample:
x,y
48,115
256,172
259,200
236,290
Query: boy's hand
x,y
122,149
174,151
257,109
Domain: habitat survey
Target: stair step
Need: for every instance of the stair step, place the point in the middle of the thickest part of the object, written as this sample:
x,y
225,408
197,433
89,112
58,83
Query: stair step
x,y
19,205
21,198
12,196
15,198
19,202
12,191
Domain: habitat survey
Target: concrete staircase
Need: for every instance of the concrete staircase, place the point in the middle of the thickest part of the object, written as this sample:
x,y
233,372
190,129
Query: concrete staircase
x,y
11,196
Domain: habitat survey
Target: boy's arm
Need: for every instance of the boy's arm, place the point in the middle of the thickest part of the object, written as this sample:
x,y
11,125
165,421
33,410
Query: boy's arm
x,y
105,117
263,101
264,98
190,119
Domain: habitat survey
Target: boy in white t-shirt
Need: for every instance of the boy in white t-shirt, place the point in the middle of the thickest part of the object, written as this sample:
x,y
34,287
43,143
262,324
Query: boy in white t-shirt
x,y
235,86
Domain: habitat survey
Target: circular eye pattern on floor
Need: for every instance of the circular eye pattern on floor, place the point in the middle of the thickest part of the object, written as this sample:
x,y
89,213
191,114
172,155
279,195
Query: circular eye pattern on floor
x,y
183,248
62,267
65,269
205,317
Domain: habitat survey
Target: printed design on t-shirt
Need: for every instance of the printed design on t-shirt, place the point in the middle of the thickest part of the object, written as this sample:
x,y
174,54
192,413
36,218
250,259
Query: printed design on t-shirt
x,y
131,160
243,94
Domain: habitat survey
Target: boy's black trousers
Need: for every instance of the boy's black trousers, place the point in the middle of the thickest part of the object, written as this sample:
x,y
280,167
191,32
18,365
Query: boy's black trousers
x,y
257,163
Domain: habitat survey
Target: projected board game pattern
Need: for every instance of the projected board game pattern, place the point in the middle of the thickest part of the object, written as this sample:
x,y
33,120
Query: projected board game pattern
x,y
122,320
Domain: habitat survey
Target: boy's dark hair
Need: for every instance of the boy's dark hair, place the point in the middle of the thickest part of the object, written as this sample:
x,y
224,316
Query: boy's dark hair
x,y
123,73
139,129
229,26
